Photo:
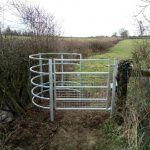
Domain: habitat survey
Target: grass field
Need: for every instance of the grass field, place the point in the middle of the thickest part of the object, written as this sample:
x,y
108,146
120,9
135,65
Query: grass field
x,y
121,50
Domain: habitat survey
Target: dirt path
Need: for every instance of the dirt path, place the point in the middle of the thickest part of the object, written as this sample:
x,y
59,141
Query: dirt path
x,y
71,130
78,130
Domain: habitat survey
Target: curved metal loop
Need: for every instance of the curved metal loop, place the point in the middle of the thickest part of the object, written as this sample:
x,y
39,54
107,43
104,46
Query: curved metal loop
x,y
42,77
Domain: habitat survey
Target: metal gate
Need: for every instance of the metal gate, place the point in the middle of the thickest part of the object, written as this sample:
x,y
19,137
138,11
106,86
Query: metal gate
x,y
68,82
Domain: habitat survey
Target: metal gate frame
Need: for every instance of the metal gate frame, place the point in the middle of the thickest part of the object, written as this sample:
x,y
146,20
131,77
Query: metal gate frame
x,y
50,86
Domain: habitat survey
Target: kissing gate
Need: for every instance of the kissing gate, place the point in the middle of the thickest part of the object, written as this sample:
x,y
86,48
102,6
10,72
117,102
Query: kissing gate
x,y
65,81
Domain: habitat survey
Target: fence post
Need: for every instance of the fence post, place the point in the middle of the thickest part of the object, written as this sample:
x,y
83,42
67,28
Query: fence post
x,y
51,105
124,73
114,88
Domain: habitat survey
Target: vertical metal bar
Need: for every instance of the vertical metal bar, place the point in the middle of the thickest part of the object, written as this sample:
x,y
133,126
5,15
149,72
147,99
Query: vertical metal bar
x,y
41,70
62,70
81,75
108,84
51,90
114,88
54,75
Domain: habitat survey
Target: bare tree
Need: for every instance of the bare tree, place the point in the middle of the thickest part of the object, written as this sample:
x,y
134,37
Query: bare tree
x,y
37,20
142,18
144,8
123,33
3,8
114,34
141,27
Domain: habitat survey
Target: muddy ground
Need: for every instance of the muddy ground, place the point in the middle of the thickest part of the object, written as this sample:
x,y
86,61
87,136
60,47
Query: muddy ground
x,y
71,130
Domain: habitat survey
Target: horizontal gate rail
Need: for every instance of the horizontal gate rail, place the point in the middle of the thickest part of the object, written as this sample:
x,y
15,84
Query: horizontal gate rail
x,y
84,108
81,73
82,59
82,86
65,81
86,89
82,99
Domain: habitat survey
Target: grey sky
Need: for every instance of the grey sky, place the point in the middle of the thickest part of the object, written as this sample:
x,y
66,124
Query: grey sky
x,y
91,17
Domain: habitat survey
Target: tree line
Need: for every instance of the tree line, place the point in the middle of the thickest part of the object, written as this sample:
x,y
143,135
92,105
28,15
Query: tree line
x,y
10,32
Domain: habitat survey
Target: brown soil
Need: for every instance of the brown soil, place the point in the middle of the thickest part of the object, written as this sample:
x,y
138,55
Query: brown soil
x,y
71,130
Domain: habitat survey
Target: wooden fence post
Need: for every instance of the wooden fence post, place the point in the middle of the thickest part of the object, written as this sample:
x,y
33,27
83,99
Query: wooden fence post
x,y
124,73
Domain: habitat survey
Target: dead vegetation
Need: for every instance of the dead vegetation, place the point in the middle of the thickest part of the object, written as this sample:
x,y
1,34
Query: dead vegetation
x,y
71,130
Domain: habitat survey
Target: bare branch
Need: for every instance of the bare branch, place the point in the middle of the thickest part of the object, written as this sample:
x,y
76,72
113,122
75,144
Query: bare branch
x,y
39,22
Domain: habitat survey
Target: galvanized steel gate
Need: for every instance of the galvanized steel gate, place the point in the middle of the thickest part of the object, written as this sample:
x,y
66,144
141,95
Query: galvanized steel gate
x,y
65,81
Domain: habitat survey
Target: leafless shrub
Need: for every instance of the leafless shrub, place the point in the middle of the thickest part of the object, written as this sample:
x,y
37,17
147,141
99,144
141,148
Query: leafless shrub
x,y
102,45
14,52
137,113
89,46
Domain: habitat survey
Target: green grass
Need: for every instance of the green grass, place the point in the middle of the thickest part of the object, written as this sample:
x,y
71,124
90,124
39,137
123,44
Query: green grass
x,y
121,50
89,39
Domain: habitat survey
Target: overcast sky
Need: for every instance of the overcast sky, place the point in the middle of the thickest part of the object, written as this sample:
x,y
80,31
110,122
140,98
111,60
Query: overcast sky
x,y
91,17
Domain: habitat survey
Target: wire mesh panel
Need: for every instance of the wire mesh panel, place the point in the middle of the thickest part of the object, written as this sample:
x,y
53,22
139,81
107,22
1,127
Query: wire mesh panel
x,y
83,84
